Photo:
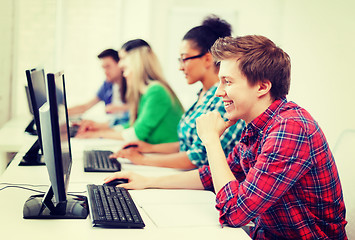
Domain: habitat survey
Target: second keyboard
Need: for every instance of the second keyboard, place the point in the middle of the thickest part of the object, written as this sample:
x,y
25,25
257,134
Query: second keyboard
x,y
99,161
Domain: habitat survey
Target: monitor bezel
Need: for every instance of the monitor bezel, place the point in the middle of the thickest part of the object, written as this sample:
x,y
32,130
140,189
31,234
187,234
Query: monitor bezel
x,y
62,184
33,99
33,156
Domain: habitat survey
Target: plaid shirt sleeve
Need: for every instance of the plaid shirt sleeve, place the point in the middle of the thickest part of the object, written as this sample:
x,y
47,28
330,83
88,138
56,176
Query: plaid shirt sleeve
x,y
284,159
233,162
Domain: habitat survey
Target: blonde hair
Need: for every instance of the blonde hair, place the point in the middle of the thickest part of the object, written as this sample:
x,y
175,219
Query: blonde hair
x,y
145,69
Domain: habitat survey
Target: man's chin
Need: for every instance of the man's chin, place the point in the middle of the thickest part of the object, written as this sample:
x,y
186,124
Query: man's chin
x,y
231,117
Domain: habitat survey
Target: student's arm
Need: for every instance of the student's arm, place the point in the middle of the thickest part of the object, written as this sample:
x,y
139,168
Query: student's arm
x,y
109,133
90,125
114,108
184,180
144,147
262,186
178,160
83,107
210,127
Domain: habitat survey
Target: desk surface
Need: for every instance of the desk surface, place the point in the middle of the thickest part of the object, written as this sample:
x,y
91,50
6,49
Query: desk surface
x,y
168,214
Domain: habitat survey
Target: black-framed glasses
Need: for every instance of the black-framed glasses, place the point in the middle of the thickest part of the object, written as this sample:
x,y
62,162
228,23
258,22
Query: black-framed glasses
x,y
183,60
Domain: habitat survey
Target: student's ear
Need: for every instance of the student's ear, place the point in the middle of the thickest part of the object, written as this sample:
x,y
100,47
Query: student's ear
x,y
209,59
264,87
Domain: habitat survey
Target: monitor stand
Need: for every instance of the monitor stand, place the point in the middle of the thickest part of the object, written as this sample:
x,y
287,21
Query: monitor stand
x,y
30,128
42,207
32,156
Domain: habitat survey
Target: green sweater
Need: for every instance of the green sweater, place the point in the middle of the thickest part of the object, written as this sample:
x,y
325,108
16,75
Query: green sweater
x,y
158,116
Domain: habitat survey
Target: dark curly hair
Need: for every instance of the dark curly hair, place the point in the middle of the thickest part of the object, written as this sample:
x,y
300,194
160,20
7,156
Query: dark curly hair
x,y
206,34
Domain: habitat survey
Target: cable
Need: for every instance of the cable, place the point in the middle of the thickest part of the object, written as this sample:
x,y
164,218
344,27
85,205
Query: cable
x,y
73,193
24,184
29,189
20,185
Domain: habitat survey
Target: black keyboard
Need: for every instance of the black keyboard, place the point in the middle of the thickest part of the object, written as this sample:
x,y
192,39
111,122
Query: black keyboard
x,y
98,161
112,207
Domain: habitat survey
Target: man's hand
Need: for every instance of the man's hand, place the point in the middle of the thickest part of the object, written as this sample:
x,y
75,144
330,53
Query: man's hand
x,y
135,181
140,146
130,153
91,134
87,125
113,108
211,125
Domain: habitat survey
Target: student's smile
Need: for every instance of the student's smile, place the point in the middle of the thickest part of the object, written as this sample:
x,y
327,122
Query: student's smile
x,y
228,105
236,93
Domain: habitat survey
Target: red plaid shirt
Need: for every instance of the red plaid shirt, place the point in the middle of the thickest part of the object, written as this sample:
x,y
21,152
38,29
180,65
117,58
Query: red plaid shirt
x,y
286,179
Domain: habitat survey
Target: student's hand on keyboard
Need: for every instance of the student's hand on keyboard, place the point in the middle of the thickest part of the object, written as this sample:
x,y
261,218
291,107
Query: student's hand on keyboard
x,y
130,153
113,108
91,134
89,125
88,129
135,181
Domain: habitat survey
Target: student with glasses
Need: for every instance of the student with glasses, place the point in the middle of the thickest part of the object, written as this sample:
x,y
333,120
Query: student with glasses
x,y
198,66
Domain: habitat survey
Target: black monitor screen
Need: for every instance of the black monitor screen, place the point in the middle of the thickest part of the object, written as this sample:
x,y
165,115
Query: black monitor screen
x,y
63,127
38,95
29,100
60,129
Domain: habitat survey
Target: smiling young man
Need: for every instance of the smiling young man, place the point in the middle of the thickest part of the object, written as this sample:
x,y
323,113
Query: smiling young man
x,y
281,175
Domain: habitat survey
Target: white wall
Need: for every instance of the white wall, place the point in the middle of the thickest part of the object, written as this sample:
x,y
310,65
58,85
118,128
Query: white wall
x,y
68,34
6,46
319,37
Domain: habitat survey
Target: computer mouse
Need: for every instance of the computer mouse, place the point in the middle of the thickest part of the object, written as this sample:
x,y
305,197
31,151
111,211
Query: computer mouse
x,y
116,182
130,146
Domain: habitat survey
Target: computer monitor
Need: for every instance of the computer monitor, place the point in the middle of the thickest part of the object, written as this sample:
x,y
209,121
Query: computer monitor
x,y
36,97
31,127
56,203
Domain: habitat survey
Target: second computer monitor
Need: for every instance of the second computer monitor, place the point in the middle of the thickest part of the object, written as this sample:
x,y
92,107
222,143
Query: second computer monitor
x,y
36,96
56,203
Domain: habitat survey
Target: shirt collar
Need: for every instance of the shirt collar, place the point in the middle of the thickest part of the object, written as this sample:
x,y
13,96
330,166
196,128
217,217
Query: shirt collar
x,y
210,91
259,123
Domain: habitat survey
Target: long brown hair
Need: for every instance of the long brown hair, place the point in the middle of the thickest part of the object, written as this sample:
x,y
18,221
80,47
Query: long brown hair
x,y
146,69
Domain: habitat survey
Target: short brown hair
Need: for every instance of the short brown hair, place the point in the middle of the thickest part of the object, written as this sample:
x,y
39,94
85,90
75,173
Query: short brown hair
x,y
259,59
109,53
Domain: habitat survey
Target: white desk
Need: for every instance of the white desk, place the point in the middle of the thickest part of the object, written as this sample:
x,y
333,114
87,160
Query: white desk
x,y
191,214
